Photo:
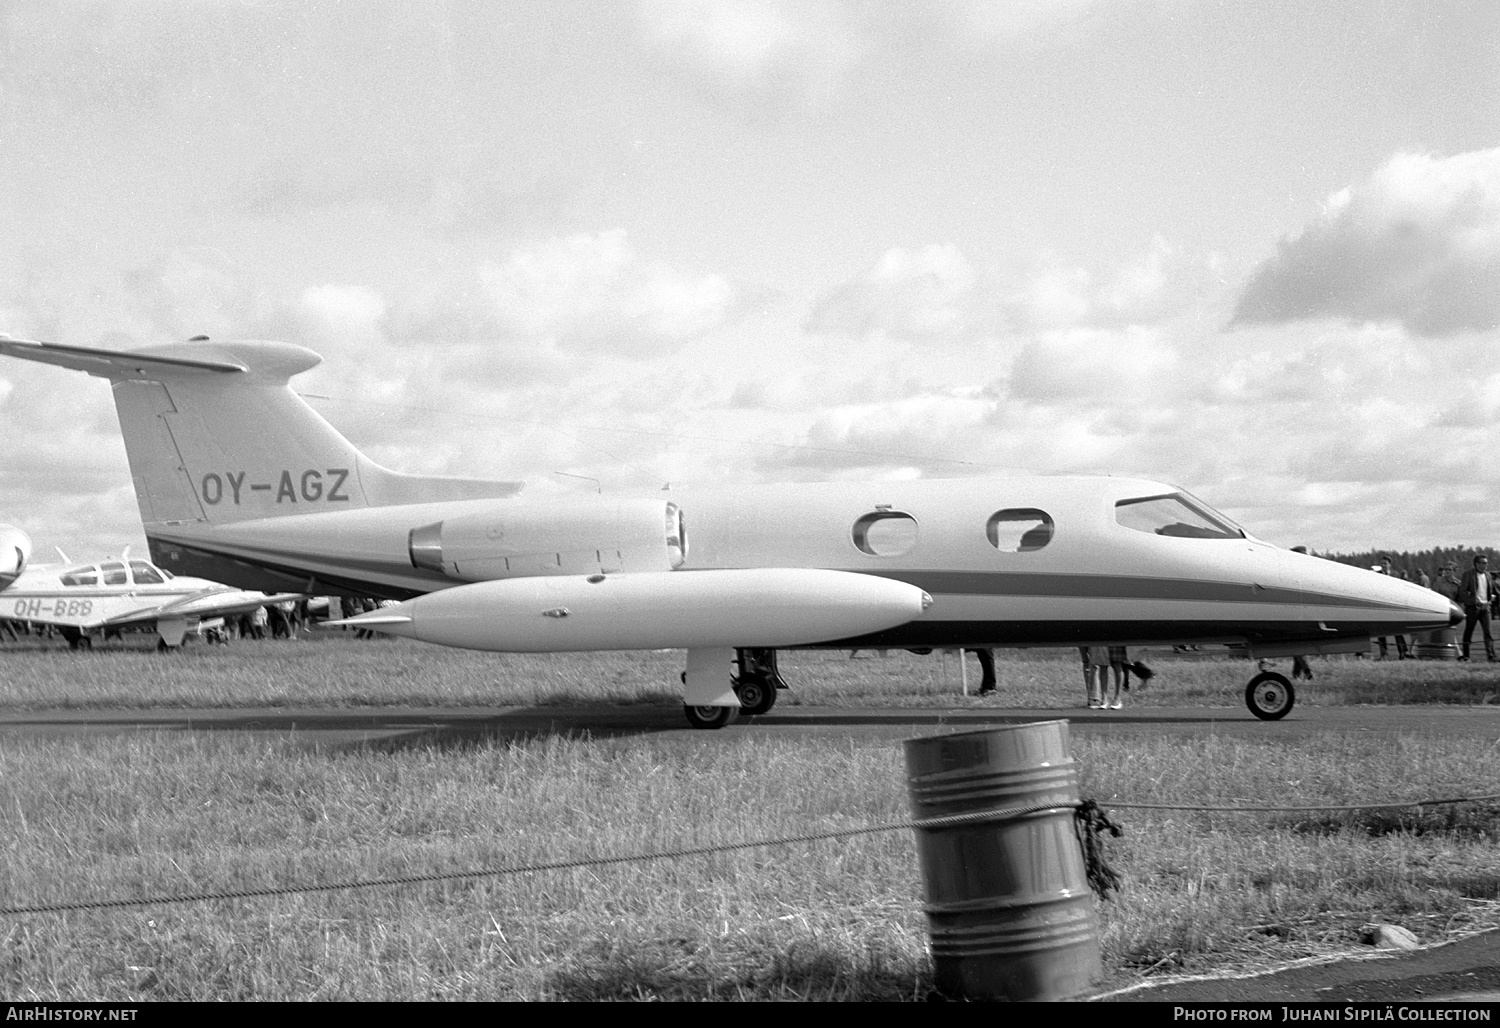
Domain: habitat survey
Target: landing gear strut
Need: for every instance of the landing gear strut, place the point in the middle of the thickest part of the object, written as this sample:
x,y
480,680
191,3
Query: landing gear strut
x,y
1270,696
756,680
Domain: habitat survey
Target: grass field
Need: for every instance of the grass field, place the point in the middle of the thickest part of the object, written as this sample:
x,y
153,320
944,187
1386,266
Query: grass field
x,y
160,813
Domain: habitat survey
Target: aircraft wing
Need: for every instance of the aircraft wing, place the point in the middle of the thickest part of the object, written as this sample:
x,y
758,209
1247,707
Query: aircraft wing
x,y
203,605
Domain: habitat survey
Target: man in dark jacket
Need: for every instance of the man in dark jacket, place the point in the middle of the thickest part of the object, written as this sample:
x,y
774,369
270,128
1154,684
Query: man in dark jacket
x,y
1476,594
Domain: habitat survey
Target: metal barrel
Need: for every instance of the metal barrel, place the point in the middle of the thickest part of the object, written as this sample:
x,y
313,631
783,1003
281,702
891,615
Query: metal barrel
x,y
1009,908
1439,645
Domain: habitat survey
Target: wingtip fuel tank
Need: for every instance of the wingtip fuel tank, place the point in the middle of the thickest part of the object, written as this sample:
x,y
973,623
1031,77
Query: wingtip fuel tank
x,y
771,607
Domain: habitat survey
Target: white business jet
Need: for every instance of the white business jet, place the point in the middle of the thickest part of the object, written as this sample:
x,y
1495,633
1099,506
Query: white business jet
x,y
238,479
85,600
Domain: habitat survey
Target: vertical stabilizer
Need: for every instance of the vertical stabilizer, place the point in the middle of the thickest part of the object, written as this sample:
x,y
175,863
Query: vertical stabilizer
x,y
215,435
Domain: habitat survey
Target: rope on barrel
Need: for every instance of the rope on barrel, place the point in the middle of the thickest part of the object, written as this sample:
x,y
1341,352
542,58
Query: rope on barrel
x,y
1092,824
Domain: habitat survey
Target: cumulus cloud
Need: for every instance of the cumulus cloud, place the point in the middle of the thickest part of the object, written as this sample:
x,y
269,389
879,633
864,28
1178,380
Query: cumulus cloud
x,y
901,438
906,294
984,21
593,292
342,313
1081,365
188,292
775,50
1418,242
936,293
758,50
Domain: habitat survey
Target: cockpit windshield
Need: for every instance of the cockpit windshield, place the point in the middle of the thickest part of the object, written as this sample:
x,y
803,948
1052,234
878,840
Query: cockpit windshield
x,y
144,573
1176,514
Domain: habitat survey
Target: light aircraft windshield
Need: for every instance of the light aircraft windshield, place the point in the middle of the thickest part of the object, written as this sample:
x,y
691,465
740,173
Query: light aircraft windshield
x,y
81,576
1176,515
141,572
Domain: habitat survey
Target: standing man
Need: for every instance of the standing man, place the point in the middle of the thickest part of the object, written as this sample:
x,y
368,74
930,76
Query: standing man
x,y
1447,581
1384,567
1476,594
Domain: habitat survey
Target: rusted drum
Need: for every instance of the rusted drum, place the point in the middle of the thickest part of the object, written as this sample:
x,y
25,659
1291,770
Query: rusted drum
x,y
1439,645
1009,908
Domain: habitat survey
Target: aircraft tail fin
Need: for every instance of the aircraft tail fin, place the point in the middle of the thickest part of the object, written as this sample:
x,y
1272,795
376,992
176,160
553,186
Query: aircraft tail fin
x,y
215,434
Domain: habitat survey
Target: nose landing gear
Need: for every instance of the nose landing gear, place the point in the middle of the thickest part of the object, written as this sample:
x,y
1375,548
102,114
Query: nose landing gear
x,y
1270,696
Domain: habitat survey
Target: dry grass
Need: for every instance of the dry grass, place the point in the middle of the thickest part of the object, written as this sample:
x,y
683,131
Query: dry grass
x,y
168,813
154,813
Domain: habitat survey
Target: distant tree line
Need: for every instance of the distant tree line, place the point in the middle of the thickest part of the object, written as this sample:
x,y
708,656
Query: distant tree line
x,y
1406,563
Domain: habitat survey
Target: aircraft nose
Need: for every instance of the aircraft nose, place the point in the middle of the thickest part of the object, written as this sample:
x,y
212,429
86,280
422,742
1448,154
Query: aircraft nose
x,y
1455,615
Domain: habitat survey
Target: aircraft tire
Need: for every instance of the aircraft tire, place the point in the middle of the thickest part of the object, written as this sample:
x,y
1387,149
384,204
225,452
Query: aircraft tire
x,y
756,696
1270,696
710,717
81,642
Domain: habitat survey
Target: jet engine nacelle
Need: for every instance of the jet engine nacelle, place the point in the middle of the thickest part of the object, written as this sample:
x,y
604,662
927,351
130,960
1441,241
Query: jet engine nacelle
x,y
15,551
516,539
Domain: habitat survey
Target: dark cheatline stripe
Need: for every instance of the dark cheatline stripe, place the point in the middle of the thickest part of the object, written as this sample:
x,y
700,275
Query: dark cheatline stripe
x,y
925,634
1117,587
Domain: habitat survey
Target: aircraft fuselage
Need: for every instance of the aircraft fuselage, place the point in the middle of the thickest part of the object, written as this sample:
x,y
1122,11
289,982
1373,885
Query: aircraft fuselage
x,y
1088,575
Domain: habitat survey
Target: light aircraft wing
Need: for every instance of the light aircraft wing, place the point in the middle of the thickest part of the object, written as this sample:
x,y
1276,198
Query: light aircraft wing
x,y
207,604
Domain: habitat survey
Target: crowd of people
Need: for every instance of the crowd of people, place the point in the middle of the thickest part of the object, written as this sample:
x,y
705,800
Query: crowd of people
x,y
1473,589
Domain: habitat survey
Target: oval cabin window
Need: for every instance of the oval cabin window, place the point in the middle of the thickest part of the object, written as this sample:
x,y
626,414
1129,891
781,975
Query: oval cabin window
x,y
885,533
1019,529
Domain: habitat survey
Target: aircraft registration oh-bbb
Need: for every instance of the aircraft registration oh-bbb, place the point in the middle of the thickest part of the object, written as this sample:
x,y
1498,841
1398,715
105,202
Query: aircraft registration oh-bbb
x,y
239,480
84,600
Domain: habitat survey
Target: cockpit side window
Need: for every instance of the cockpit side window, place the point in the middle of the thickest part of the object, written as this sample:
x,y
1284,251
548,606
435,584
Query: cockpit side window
x,y
1175,515
81,576
885,533
143,573
1019,529
114,574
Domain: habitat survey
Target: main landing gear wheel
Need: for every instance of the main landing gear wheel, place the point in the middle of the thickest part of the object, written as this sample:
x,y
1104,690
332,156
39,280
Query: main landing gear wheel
x,y
1270,696
710,717
756,679
81,642
757,696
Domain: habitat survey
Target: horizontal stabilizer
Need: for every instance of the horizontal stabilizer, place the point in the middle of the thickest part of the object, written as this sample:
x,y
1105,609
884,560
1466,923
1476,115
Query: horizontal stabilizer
x,y
109,363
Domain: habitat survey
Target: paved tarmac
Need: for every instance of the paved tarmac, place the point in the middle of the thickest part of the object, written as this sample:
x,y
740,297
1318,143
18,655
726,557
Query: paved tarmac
x,y
1466,971
342,726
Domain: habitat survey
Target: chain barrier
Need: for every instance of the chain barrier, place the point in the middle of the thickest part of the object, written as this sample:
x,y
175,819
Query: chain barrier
x,y
1089,816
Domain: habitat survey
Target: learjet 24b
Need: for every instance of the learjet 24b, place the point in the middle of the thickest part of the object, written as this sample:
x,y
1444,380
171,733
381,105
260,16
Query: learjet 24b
x,y
241,481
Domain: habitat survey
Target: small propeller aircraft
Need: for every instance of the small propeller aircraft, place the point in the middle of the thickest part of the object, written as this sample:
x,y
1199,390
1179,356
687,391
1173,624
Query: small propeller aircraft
x,y
239,479
84,600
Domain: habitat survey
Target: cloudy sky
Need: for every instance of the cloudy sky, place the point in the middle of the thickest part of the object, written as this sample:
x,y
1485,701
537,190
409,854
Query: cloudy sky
x,y
1252,248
